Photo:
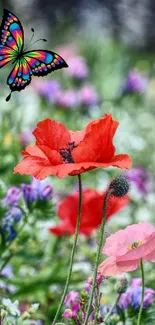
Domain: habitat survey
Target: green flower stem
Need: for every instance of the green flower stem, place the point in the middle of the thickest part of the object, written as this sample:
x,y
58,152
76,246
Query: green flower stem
x,y
72,252
143,287
5,262
112,308
97,304
98,254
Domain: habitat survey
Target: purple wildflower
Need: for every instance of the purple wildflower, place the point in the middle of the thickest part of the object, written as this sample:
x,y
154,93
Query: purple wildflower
x,y
9,288
77,67
12,196
125,300
37,190
25,137
90,280
13,215
71,298
132,297
136,82
67,313
99,279
67,99
7,272
72,313
44,190
149,297
30,194
88,96
141,178
136,282
9,231
47,88
39,322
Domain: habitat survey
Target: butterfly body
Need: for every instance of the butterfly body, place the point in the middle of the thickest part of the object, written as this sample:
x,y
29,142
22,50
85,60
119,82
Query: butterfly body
x,y
37,62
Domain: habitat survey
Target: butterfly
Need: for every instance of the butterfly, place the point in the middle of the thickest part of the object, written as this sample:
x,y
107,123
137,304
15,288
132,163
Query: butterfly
x,y
36,63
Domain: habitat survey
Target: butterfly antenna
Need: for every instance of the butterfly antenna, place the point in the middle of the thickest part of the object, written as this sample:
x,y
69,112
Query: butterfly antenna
x,y
8,97
32,30
41,39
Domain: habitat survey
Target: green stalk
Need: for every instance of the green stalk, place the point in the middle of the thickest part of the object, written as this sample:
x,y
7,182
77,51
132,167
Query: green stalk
x,y
98,254
112,308
72,252
143,287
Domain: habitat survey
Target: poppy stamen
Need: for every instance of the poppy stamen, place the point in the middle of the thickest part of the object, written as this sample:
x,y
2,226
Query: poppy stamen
x,y
66,153
135,245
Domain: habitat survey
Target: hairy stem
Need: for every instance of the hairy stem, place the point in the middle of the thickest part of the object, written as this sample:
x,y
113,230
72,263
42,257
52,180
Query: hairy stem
x,y
112,308
143,287
98,254
72,252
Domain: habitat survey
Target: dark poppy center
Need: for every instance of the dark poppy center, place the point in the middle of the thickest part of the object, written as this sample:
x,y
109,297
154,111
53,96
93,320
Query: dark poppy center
x,y
66,153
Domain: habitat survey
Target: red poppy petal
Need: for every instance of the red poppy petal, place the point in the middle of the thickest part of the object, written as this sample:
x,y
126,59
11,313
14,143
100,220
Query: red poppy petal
x,y
33,165
105,117
77,136
92,205
115,204
52,134
62,229
33,151
68,208
52,155
122,161
97,144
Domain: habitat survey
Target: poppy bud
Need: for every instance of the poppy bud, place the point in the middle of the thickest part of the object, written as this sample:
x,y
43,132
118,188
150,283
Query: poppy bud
x,y
121,284
119,186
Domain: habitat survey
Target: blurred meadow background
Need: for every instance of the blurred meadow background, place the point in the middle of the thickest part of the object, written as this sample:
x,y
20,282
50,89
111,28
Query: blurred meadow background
x,y
110,49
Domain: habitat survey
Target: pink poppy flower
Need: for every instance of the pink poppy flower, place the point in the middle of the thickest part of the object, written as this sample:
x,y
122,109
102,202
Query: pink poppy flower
x,y
127,247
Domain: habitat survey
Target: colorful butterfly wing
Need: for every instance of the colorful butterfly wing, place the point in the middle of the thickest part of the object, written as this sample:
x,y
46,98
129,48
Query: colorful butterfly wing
x,y
20,76
11,32
6,55
44,62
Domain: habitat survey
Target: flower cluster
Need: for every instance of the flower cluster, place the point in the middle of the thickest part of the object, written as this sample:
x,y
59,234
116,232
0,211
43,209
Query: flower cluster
x,y
83,94
136,82
71,98
141,179
132,297
77,302
10,312
9,222
37,191
32,194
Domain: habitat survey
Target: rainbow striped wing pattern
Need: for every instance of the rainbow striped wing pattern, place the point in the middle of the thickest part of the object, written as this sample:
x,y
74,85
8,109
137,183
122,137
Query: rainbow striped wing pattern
x,y
43,62
20,75
37,62
11,38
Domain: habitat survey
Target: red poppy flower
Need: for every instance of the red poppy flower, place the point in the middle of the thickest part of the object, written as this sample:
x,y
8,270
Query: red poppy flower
x,y
91,217
61,152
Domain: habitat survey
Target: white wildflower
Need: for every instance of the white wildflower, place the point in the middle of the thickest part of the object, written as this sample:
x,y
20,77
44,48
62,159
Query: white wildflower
x,y
12,307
